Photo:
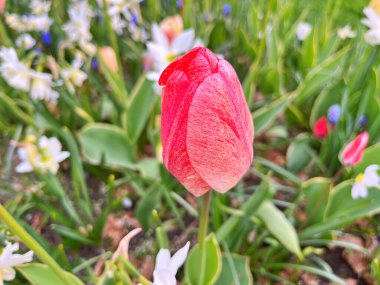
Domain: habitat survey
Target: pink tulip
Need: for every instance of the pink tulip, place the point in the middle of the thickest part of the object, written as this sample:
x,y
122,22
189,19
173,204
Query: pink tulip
x,y
353,152
2,6
207,129
107,54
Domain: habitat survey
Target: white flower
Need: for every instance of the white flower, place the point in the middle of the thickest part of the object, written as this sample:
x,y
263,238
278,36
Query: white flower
x,y
8,260
39,7
41,87
346,32
25,41
166,267
78,28
373,23
14,72
73,75
370,178
44,157
162,52
303,31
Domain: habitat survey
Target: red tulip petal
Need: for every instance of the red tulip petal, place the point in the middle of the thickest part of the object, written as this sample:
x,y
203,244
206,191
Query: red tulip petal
x,y
176,99
352,153
220,130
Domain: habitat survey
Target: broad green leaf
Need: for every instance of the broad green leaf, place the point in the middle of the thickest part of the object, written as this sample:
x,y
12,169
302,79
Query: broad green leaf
x,y
213,263
279,226
341,203
370,156
41,274
141,103
235,270
317,191
265,116
149,168
298,155
108,144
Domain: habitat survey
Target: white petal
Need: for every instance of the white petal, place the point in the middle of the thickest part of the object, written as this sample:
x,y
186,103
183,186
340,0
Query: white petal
x,y
43,142
18,259
371,177
7,273
159,37
183,42
62,156
178,259
163,277
24,167
359,190
162,259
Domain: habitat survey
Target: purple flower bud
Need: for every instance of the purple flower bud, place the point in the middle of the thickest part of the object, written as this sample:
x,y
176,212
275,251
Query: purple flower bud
x,y
333,114
94,64
363,120
227,9
135,20
179,4
46,38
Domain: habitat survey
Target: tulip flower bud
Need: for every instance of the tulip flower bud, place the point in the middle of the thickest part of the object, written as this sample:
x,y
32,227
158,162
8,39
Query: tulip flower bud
x,y
172,27
207,128
353,152
107,54
2,6
320,129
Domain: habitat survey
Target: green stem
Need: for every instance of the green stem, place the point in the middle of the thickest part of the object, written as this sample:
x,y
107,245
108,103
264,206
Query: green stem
x,y
17,230
131,269
203,224
4,38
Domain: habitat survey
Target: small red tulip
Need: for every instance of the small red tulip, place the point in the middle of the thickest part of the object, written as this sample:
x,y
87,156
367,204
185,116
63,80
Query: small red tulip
x,y
207,129
353,152
320,129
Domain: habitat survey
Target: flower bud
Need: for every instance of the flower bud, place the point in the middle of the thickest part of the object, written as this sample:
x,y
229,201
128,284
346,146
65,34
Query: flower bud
x,y
107,54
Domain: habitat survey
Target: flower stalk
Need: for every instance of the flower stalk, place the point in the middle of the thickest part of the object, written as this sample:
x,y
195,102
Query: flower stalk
x,y
203,226
17,230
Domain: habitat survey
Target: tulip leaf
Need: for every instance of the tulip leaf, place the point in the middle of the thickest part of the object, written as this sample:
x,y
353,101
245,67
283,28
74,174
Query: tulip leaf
x,y
279,226
371,155
265,116
141,104
106,144
213,263
235,270
41,274
146,205
317,191
298,155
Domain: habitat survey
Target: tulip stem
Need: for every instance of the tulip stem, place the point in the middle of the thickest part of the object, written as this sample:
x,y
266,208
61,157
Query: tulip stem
x,y
202,232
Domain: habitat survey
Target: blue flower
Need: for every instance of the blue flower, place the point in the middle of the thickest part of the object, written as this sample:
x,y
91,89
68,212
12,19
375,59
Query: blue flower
x,y
363,120
94,64
46,38
135,20
333,114
226,9
179,4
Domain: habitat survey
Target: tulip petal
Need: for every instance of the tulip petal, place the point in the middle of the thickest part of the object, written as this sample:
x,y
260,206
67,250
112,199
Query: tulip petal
x,y
220,130
174,128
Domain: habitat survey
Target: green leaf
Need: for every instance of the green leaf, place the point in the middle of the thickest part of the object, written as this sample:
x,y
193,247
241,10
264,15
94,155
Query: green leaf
x,y
146,205
141,104
298,155
72,234
265,116
317,191
41,274
149,168
280,227
235,270
370,156
213,263
107,144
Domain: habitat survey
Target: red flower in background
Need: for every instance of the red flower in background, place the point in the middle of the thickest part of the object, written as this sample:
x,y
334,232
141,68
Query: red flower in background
x,y
353,152
207,129
320,129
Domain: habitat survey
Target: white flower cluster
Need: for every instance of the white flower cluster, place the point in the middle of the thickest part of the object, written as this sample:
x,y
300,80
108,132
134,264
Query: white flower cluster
x,y
125,14
18,75
370,178
38,20
78,28
73,75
